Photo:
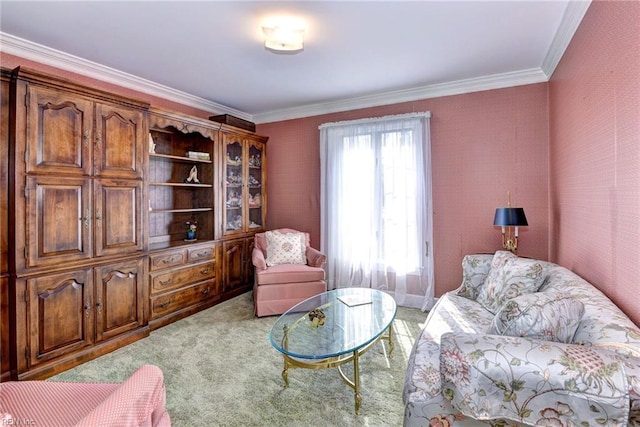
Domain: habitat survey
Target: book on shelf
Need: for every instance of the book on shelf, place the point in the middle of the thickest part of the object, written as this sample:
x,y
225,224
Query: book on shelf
x,y
198,155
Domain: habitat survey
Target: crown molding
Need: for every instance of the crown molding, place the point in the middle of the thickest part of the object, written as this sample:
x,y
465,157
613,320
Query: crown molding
x,y
495,81
570,22
55,58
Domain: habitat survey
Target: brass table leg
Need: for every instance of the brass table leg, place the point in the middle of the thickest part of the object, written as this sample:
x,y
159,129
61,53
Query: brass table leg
x,y
285,373
356,381
336,362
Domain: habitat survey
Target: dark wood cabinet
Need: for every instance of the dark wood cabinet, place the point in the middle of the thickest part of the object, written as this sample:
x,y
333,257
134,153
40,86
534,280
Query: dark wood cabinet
x,y
238,269
243,166
98,191
120,298
77,256
5,369
79,193
117,217
60,308
183,280
58,221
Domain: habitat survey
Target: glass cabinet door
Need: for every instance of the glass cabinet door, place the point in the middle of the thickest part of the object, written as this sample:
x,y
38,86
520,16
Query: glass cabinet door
x,y
234,184
255,194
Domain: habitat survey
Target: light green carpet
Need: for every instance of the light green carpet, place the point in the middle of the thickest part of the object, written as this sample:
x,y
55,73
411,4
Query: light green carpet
x,y
220,369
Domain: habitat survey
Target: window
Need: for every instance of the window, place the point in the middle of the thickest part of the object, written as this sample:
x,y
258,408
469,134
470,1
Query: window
x,y
376,206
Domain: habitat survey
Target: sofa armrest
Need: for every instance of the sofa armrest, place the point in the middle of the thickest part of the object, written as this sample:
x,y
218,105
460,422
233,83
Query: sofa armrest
x,y
315,258
533,381
258,260
139,401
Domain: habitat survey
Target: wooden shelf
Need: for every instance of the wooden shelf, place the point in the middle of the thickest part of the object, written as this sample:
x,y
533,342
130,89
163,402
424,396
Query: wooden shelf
x,y
172,158
180,210
180,184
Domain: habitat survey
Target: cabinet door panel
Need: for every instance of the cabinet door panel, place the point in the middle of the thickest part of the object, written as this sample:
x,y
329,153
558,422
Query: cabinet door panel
x,y
118,216
59,131
119,298
234,268
61,315
58,220
119,141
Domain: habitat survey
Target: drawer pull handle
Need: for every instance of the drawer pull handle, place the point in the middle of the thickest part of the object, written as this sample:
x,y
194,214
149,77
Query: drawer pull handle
x,y
205,291
205,271
202,254
169,260
165,304
165,282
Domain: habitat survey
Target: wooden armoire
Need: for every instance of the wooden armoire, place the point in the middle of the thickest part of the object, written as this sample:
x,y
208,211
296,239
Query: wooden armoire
x,y
94,253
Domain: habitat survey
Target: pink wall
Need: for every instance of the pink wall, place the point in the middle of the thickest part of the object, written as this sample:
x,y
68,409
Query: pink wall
x,y
483,145
594,98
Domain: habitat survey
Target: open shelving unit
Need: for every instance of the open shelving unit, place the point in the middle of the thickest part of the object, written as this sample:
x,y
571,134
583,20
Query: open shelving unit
x,y
175,197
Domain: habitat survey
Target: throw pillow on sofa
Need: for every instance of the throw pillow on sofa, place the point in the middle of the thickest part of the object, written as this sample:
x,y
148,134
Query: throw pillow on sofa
x,y
541,315
514,277
475,269
285,248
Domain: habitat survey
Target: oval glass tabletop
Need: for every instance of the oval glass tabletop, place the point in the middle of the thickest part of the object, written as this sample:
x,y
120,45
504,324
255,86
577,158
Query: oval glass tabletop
x,y
333,323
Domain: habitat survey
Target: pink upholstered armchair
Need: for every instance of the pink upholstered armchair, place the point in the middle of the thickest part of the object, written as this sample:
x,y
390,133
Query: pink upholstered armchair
x,y
139,401
283,277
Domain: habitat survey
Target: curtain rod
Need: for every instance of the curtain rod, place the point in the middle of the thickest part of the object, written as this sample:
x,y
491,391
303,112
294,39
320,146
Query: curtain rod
x,y
424,114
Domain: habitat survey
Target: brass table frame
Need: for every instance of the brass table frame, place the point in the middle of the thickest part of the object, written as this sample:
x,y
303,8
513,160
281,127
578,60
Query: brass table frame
x,y
337,361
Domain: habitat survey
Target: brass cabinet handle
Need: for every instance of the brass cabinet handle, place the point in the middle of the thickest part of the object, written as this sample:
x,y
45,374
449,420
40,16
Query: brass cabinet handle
x,y
86,218
99,305
168,260
87,308
165,282
165,304
205,271
205,291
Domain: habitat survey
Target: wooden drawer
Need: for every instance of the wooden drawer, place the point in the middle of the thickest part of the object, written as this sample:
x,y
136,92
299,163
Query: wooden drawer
x,y
182,298
201,253
181,276
167,259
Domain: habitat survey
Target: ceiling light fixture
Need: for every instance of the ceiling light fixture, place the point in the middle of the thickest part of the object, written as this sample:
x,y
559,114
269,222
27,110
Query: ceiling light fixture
x,y
283,37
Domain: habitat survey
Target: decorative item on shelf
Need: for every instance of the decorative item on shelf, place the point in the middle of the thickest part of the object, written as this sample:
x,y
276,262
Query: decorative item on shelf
x,y
254,225
255,161
233,178
233,200
192,226
508,218
255,200
193,176
317,317
233,161
235,223
152,145
253,182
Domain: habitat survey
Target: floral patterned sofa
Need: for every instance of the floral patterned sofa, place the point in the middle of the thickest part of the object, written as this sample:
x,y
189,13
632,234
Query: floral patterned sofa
x,y
523,342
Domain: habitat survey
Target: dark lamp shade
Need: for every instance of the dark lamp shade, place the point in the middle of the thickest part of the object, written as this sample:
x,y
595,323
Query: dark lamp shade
x,y
510,217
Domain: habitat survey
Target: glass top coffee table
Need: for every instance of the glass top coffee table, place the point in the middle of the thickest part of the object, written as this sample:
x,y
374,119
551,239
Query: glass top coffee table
x,y
334,328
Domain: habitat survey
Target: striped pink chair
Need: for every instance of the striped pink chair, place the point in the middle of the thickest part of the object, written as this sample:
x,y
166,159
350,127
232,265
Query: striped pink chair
x,y
279,284
139,401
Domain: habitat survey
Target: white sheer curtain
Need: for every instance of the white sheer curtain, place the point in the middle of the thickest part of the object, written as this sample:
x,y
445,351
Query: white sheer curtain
x,y
376,206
